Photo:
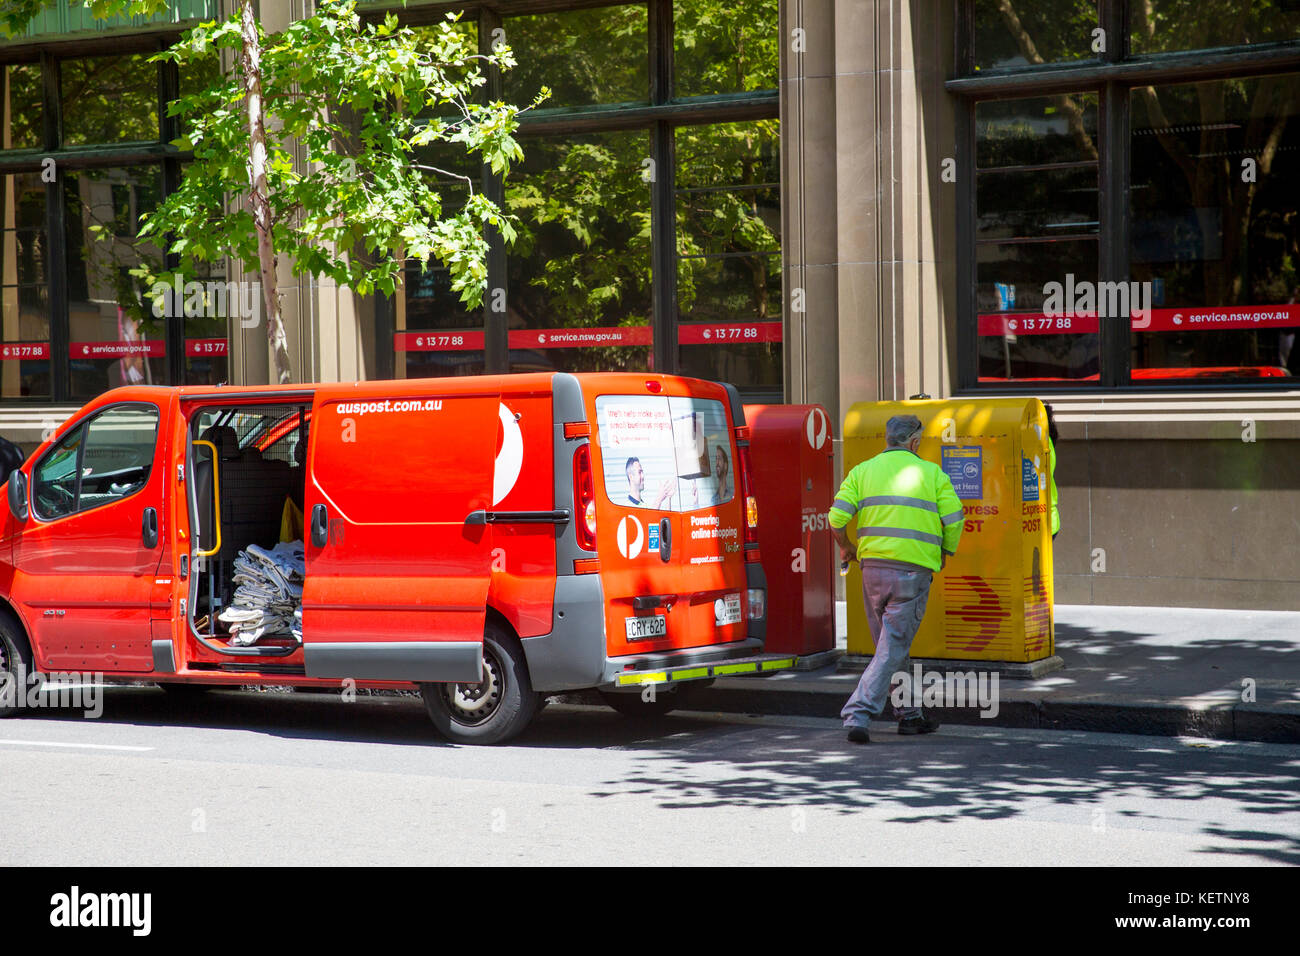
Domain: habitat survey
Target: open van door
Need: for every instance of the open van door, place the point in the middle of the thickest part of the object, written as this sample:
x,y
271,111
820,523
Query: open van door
x,y
398,558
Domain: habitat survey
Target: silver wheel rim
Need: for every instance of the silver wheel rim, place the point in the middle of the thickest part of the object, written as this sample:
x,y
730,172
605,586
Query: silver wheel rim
x,y
474,704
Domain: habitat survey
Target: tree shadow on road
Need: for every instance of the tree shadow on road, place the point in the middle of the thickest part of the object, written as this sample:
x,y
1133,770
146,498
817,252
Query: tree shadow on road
x,y
998,775
693,761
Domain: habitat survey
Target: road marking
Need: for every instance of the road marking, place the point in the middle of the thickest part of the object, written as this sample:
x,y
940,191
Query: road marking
x,y
54,743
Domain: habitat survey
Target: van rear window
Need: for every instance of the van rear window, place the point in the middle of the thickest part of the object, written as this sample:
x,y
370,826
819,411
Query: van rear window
x,y
665,453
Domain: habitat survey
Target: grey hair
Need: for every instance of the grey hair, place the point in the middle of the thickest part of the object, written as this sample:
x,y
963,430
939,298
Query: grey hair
x,y
901,429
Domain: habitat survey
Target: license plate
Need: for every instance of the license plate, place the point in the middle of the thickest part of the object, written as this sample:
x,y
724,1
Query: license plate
x,y
651,625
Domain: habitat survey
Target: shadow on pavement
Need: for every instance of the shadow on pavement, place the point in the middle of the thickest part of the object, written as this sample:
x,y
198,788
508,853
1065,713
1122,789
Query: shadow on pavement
x,y
1170,664
691,761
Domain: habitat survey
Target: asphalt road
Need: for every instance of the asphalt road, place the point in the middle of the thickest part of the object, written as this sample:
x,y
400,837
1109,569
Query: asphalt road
x,y
264,778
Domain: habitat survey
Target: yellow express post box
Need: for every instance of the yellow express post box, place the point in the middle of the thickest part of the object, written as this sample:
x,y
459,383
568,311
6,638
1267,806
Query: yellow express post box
x,y
993,600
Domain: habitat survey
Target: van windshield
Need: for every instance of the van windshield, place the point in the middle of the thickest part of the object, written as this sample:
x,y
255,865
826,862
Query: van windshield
x,y
665,453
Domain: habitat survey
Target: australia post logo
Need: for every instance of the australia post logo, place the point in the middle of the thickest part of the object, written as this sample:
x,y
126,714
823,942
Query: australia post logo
x,y
818,428
510,455
631,536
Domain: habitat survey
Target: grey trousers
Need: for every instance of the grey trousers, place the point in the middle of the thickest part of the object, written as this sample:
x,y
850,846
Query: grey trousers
x,y
895,601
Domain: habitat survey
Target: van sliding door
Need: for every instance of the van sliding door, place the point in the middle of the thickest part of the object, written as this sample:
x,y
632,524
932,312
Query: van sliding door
x,y
397,579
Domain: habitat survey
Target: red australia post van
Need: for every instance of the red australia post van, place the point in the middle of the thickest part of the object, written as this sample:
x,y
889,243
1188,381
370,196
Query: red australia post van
x,y
489,540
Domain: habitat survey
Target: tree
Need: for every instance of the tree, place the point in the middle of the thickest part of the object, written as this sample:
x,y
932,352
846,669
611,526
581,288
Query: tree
x,y
359,99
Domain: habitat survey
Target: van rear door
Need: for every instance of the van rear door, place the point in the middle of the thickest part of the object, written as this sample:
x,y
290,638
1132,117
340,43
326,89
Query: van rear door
x,y
639,526
397,563
671,550
711,554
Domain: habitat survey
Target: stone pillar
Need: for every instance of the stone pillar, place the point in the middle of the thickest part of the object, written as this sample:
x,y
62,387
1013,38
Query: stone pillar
x,y
868,222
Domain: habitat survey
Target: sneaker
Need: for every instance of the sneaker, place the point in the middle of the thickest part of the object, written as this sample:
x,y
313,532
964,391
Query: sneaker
x,y
917,724
859,735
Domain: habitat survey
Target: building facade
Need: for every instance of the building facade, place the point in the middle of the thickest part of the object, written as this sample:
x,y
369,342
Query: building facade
x,y
819,200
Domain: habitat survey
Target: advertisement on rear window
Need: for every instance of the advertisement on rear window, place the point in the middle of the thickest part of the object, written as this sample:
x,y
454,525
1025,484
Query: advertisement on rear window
x,y
665,454
636,440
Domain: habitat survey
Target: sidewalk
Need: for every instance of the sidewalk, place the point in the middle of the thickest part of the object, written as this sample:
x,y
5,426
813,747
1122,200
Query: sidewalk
x,y
1135,670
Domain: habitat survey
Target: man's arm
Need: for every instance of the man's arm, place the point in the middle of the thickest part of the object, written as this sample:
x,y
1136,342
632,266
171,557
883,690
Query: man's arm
x,y
841,537
841,514
950,515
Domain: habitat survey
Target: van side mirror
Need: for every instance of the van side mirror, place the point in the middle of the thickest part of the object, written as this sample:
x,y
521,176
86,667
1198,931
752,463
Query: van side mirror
x,y
18,494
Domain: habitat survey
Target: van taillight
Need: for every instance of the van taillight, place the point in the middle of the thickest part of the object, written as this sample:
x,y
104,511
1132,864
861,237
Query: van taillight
x,y
751,503
584,499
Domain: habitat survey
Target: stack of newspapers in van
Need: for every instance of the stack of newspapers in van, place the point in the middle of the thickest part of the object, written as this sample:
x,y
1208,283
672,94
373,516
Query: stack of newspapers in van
x,y
268,595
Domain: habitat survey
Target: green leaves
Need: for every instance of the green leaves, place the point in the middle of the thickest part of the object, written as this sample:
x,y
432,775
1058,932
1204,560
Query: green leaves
x,y
357,98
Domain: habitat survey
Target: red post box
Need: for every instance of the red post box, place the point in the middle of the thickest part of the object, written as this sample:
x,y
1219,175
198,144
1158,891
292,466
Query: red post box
x,y
794,483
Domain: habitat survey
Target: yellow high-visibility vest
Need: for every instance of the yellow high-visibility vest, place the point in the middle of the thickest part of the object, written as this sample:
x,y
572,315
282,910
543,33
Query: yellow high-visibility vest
x,y
905,507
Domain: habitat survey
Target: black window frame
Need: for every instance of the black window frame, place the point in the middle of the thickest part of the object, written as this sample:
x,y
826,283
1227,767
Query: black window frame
x,y
1111,77
659,115
73,159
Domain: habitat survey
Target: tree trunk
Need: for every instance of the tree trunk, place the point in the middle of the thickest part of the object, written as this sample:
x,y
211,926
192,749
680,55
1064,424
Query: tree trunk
x,y
257,197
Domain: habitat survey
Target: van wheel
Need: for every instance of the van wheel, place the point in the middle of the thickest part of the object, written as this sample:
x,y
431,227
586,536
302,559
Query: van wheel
x,y
493,710
15,660
635,707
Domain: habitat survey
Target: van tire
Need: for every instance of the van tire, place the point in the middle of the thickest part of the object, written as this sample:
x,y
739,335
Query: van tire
x,y
512,704
13,649
634,707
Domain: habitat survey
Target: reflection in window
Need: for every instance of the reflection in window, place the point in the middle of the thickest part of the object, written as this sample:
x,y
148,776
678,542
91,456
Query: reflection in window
x,y
21,114
582,257
426,301
1215,189
24,287
729,245
206,322
110,99
116,338
1037,221
1160,26
725,47
585,56
1011,34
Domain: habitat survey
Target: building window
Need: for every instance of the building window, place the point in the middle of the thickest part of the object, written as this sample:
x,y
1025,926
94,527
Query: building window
x,y
729,252
114,339
578,290
621,137
1036,223
24,288
1163,26
585,57
109,99
1121,232
1014,34
74,320
1215,228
